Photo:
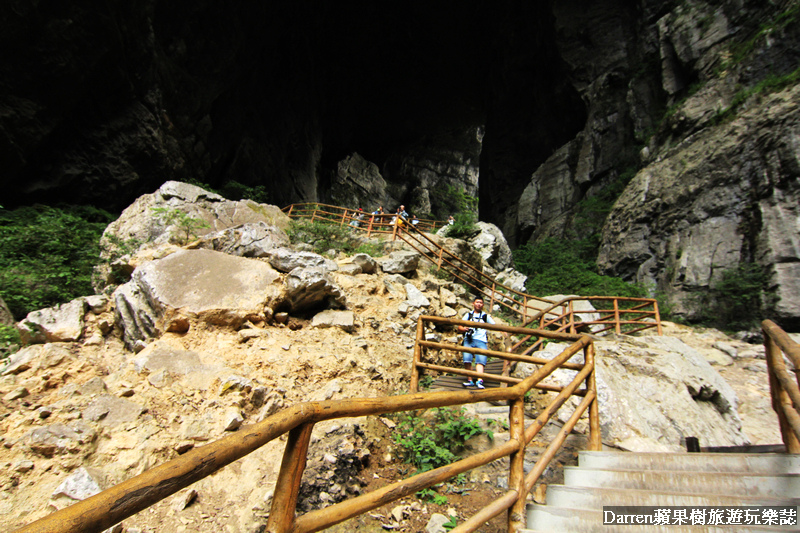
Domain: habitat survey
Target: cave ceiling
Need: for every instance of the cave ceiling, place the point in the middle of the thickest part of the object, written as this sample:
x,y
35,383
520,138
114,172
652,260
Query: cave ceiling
x,y
103,103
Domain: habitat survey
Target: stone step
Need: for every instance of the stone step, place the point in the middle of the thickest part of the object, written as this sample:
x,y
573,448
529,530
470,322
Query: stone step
x,y
596,498
733,483
705,462
546,518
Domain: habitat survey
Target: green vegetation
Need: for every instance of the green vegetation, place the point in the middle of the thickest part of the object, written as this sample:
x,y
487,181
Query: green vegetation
x,y
47,254
451,200
432,496
768,85
9,340
432,443
742,50
556,266
187,225
568,265
324,236
734,303
233,190
426,381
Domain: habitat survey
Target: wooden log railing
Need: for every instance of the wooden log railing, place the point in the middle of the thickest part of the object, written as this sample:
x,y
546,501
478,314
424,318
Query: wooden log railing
x,y
515,302
784,389
111,506
621,315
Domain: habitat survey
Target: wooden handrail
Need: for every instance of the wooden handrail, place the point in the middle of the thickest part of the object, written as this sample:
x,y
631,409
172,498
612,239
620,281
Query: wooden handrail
x,y
618,318
784,390
109,507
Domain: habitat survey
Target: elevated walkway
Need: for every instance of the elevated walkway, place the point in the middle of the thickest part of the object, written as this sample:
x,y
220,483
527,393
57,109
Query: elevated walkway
x,y
665,480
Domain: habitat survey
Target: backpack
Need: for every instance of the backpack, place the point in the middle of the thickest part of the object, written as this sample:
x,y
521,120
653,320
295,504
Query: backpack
x,y
483,317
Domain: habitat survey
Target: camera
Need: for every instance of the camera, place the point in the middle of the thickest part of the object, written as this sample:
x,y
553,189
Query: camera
x,y
468,334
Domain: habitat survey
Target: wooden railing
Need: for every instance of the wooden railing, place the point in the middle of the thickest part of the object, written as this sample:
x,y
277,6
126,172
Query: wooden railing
x,y
620,314
358,220
111,506
784,389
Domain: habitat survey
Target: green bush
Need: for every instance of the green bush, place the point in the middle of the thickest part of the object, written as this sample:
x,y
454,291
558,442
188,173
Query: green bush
x,y
186,224
47,254
556,266
233,190
451,200
324,236
9,340
434,443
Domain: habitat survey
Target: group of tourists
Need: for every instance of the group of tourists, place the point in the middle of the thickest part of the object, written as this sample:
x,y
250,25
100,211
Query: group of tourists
x,y
399,219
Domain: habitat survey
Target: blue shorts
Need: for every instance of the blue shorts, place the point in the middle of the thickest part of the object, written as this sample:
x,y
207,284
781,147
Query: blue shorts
x,y
480,359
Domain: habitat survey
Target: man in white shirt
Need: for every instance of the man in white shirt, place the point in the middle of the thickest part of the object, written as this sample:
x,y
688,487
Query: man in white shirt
x,y
475,338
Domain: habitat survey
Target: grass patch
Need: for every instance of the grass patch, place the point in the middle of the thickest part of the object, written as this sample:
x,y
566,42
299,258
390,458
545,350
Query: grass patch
x,y
324,237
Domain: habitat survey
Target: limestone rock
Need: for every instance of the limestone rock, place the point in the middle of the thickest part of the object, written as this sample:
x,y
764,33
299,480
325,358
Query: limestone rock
x,y
436,523
232,419
368,264
184,365
255,239
400,262
331,318
80,485
60,439
38,356
111,411
415,298
142,231
61,323
286,260
654,392
492,246
208,285
311,287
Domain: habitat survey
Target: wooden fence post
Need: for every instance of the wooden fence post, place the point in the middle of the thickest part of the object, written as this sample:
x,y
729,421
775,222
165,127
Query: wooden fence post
x,y
413,385
571,317
284,503
595,438
516,469
657,316
617,325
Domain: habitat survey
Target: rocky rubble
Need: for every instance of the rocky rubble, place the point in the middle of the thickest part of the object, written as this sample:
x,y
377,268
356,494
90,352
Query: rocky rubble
x,y
199,342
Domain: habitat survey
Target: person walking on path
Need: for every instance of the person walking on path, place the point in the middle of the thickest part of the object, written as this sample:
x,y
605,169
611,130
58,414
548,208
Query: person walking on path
x,y
475,338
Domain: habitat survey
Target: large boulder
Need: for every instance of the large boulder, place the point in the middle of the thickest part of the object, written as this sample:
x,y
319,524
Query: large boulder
x,y
490,243
130,240
253,239
286,260
401,262
311,287
653,393
61,323
169,293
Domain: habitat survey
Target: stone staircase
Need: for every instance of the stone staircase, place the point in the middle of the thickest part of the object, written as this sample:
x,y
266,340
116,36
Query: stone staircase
x,y
655,479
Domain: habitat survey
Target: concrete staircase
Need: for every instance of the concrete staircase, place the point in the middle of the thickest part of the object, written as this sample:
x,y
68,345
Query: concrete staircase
x,y
681,479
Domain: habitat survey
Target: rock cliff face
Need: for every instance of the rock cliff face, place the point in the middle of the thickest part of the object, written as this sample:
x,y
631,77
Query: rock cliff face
x,y
532,106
